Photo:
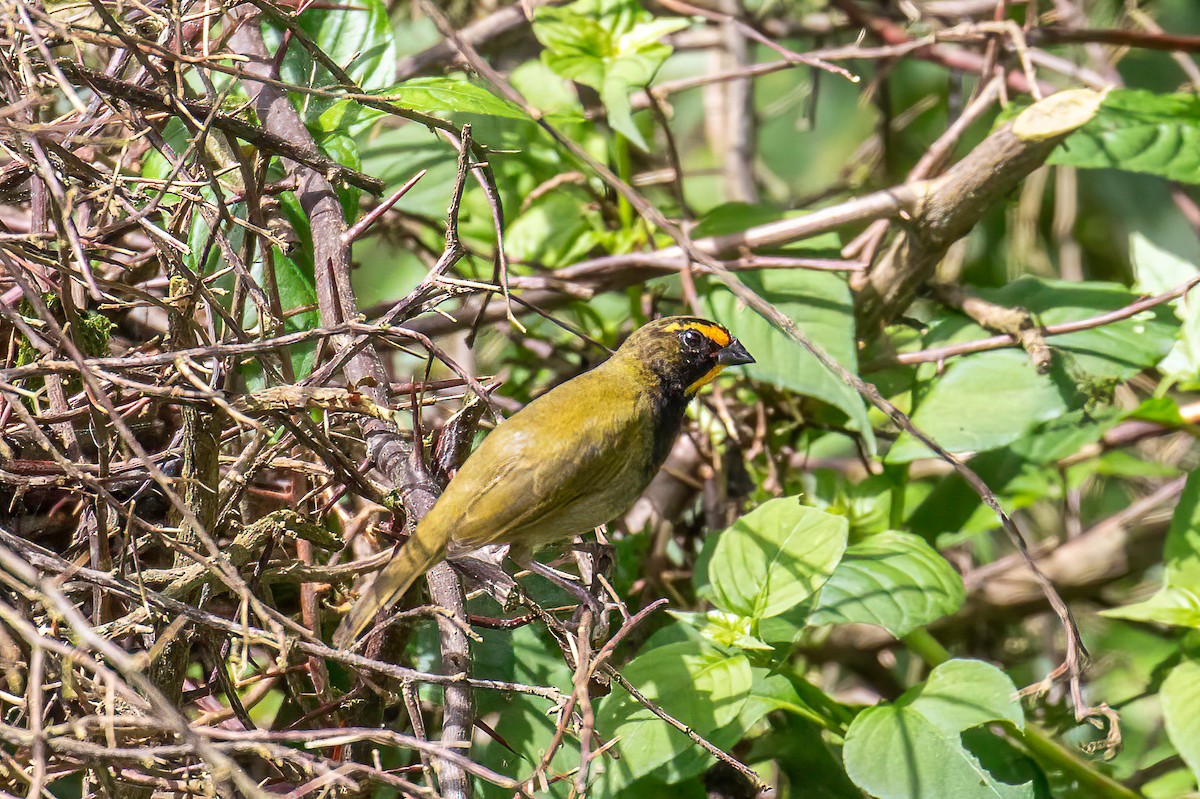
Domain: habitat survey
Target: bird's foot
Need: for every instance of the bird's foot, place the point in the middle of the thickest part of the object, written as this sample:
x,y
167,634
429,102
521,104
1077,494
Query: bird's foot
x,y
587,599
599,621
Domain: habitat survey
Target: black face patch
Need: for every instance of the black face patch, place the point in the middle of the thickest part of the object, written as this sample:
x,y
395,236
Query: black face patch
x,y
685,352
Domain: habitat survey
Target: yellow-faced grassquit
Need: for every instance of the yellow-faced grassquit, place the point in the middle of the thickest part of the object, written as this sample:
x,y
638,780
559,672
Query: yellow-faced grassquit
x,y
571,460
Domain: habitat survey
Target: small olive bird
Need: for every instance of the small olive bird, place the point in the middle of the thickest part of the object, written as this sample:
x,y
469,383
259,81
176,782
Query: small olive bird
x,y
571,460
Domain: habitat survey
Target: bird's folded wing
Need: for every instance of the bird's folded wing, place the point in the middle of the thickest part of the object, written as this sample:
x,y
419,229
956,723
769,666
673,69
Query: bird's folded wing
x,y
530,468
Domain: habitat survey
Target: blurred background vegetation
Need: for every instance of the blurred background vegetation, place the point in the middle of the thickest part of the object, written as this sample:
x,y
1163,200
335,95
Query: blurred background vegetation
x,y
847,616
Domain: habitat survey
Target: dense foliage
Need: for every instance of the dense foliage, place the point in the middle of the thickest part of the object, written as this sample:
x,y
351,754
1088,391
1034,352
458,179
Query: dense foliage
x,y
232,374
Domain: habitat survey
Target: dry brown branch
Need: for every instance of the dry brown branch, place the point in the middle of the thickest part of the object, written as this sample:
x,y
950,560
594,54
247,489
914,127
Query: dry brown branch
x,y
180,438
956,201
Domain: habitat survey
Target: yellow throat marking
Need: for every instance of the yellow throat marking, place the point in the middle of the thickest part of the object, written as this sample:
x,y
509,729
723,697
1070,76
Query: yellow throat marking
x,y
704,381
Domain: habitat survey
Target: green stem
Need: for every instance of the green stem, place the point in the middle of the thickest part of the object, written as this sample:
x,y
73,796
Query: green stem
x,y
1051,753
822,709
926,647
624,168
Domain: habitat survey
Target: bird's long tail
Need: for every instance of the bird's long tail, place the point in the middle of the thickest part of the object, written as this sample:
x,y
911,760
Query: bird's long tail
x,y
415,558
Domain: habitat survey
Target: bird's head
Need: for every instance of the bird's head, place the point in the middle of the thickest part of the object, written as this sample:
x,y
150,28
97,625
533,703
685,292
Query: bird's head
x,y
685,352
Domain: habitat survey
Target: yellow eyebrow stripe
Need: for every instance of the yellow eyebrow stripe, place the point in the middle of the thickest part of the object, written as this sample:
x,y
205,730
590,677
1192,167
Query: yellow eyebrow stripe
x,y
713,332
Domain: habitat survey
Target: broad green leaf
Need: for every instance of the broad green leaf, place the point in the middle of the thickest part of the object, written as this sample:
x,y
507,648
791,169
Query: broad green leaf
x,y
449,95
614,46
775,557
555,230
990,399
1113,351
155,165
524,722
866,504
358,38
916,748
891,579
547,91
1139,131
1182,552
652,787
296,290
1178,601
204,252
344,116
1176,605
343,149
807,760
982,402
1021,474
1160,410
769,692
734,217
1160,271
716,691
1066,435
294,281
773,691
1181,711
821,306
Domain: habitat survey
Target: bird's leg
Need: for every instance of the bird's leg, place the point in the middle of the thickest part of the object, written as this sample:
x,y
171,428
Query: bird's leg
x,y
594,559
595,562
493,579
565,583
584,590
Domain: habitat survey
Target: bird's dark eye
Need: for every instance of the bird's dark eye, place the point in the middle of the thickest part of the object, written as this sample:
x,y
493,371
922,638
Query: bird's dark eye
x,y
692,339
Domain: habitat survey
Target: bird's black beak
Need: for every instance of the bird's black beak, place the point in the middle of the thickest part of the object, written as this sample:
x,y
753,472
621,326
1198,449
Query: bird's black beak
x,y
734,354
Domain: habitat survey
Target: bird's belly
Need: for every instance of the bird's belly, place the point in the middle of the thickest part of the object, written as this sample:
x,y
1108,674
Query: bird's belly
x,y
600,504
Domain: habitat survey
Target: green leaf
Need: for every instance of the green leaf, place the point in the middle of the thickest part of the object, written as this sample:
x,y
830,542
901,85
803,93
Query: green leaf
x,y
344,149
989,399
1177,603
297,289
734,217
1139,131
155,165
1160,410
294,280
1181,711
916,748
804,758
555,230
611,45
892,579
455,95
524,722
724,629
776,692
821,306
1113,351
866,504
982,402
357,38
769,692
1159,271
717,687
775,557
